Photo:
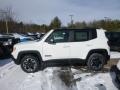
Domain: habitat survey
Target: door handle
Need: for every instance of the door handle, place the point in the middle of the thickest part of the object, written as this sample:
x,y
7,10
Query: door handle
x,y
66,46
88,45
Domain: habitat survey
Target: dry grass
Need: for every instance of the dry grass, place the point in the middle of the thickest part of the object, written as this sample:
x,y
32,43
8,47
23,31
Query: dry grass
x,y
111,63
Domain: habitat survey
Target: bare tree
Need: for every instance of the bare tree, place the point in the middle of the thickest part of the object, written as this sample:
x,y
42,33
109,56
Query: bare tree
x,y
7,15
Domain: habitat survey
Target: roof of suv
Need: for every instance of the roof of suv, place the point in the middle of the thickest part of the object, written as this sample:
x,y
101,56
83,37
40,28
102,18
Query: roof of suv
x,y
75,29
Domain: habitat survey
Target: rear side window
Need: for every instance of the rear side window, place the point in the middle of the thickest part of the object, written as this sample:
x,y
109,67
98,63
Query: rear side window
x,y
85,35
81,36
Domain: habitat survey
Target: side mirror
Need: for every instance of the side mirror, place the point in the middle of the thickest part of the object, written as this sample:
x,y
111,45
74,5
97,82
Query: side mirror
x,y
52,41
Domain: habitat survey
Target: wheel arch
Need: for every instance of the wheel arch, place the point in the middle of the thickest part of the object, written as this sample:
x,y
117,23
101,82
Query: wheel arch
x,y
29,52
100,51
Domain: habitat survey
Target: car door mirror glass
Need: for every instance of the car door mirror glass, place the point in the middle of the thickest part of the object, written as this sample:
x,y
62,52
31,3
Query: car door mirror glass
x,y
52,41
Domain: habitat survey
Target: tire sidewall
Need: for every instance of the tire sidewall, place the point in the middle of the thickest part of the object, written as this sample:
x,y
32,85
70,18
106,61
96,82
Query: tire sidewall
x,y
102,59
32,57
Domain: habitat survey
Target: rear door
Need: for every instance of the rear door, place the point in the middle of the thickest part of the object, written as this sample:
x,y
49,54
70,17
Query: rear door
x,y
80,43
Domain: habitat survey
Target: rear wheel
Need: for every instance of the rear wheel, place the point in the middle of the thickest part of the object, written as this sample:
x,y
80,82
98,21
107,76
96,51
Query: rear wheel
x,y
96,62
30,64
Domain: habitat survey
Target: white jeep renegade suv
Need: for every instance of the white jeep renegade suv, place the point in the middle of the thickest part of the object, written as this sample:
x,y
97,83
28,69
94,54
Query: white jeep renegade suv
x,y
64,45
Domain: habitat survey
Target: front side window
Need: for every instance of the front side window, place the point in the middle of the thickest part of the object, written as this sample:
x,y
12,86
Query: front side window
x,y
81,36
58,36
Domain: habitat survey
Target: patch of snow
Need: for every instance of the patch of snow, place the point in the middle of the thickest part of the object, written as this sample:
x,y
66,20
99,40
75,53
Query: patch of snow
x,y
11,77
101,81
118,65
4,70
4,62
43,80
115,55
16,35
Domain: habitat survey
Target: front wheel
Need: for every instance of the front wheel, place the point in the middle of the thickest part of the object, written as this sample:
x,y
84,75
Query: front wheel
x,y
30,64
96,61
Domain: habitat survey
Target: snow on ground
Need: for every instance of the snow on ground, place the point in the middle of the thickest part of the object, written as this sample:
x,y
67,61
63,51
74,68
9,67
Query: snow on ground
x,y
13,78
4,62
100,81
115,55
43,80
118,65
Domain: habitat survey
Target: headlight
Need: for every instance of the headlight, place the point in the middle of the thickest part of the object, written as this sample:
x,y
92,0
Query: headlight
x,y
5,43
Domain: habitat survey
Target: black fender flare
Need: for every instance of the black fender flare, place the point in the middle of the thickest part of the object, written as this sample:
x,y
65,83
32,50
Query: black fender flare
x,y
34,52
101,51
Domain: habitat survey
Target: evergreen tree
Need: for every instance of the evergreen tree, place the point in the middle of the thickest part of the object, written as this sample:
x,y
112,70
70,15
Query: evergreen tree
x,y
55,23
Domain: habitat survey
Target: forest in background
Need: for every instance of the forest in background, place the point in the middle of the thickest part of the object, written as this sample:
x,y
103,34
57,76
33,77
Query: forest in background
x,y
7,16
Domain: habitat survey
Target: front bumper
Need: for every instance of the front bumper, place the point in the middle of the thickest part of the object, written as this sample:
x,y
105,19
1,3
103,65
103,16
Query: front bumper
x,y
16,61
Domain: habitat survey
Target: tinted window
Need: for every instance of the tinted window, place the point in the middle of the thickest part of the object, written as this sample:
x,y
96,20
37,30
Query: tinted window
x,y
93,34
59,36
81,35
116,35
108,35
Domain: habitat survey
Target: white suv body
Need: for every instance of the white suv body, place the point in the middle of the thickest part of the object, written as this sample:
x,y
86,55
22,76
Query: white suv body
x,y
62,44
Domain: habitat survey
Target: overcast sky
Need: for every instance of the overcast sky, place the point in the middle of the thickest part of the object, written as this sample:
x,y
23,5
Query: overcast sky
x,y
42,11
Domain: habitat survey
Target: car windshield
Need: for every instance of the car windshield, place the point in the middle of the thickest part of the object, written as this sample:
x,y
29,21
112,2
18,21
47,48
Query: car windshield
x,y
43,36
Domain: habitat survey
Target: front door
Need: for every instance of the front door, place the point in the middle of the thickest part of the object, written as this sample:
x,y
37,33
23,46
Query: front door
x,y
56,46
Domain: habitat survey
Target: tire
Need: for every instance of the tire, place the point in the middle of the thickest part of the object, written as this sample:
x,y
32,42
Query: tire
x,y
96,62
30,64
